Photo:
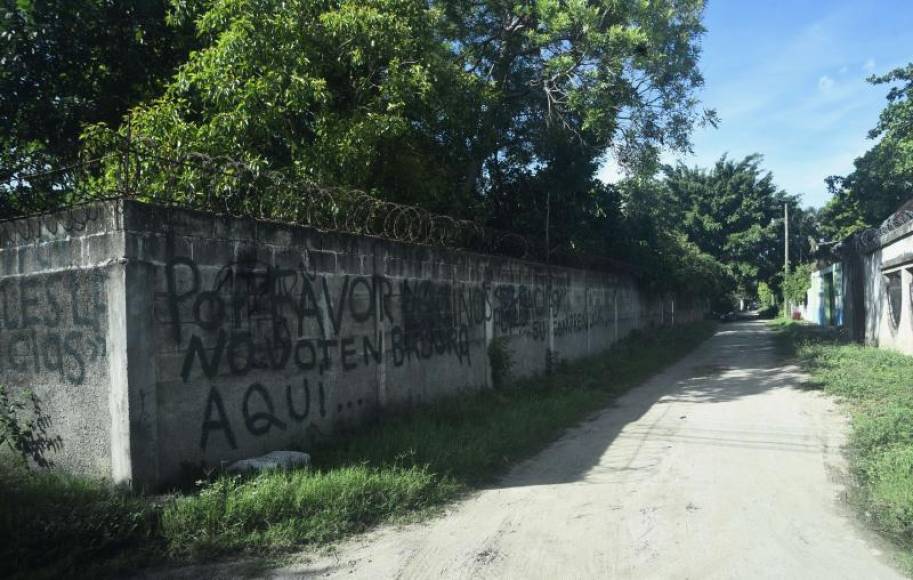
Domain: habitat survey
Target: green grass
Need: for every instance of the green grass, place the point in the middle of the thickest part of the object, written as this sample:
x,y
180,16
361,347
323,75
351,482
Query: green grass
x,y
877,386
52,524
404,466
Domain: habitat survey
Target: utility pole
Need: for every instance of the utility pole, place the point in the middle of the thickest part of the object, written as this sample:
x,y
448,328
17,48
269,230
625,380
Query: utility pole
x,y
786,258
786,237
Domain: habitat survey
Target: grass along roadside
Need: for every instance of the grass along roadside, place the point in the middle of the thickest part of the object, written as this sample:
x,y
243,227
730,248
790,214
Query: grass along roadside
x,y
52,524
877,386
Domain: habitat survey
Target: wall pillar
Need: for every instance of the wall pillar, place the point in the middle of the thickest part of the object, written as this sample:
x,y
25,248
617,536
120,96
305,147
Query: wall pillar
x,y
132,372
586,309
378,266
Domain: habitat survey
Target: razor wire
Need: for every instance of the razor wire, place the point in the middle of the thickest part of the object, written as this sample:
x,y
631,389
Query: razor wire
x,y
871,239
145,171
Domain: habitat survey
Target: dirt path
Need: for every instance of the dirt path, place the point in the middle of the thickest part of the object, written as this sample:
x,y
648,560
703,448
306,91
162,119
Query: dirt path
x,y
721,467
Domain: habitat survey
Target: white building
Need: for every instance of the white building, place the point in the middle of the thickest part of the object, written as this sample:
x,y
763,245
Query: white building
x,y
867,290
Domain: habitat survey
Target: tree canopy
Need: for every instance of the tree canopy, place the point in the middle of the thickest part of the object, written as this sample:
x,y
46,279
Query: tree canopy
x,y
495,111
882,179
65,64
471,109
730,215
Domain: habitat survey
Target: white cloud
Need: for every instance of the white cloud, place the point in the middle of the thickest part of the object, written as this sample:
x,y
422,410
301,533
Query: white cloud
x,y
798,96
802,101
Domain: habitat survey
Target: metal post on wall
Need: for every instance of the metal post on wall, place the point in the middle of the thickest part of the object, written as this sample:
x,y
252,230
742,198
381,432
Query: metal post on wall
x,y
125,160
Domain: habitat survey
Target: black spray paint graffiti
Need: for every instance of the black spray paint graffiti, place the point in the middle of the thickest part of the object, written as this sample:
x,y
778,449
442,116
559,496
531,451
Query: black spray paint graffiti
x,y
258,411
248,315
53,323
254,316
524,310
245,290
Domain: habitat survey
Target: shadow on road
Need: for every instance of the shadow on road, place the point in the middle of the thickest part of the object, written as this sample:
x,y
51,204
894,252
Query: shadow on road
x,y
741,360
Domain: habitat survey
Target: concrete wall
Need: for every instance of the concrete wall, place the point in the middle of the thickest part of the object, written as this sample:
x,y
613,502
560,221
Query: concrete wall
x,y
888,324
57,276
868,311
204,339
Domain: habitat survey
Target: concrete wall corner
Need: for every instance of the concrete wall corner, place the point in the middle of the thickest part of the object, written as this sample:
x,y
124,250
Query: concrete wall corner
x,y
132,372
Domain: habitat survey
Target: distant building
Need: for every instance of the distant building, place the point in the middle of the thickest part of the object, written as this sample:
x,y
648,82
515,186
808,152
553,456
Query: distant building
x,y
864,284
824,299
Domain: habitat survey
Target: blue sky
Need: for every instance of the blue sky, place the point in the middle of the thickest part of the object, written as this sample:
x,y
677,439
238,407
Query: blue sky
x,y
788,81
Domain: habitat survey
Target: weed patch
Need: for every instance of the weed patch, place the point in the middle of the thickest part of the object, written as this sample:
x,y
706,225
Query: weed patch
x,y
877,385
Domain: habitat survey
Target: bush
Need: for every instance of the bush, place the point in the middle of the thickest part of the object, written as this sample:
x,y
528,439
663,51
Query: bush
x,y
797,283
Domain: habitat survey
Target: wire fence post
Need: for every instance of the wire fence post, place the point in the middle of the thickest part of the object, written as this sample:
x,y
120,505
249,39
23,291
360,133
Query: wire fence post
x,y
125,185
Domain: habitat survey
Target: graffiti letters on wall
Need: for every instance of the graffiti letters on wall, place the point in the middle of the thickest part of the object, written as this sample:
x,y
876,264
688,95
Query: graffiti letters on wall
x,y
306,330
52,325
250,316
254,316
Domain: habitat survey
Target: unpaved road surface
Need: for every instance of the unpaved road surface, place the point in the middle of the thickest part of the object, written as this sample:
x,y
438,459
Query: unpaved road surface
x,y
723,466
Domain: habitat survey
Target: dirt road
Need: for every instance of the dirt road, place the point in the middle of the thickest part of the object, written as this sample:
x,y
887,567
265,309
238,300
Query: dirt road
x,y
721,467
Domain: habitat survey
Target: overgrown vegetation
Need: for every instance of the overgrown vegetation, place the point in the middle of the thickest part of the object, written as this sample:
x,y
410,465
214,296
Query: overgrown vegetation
x,y
797,283
489,111
124,53
877,385
471,109
881,178
766,296
52,524
730,217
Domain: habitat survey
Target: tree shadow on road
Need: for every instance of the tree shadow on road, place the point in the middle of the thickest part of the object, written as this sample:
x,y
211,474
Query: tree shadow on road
x,y
738,363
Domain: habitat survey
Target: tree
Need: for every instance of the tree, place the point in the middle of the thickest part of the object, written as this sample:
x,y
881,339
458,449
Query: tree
x,y
797,283
731,213
471,109
651,235
734,212
766,296
68,63
882,179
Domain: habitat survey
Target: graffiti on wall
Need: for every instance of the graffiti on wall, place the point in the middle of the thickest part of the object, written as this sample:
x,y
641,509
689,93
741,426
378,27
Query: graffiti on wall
x,y
260,413
523,310
53,325
245,316
250,316
255,316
